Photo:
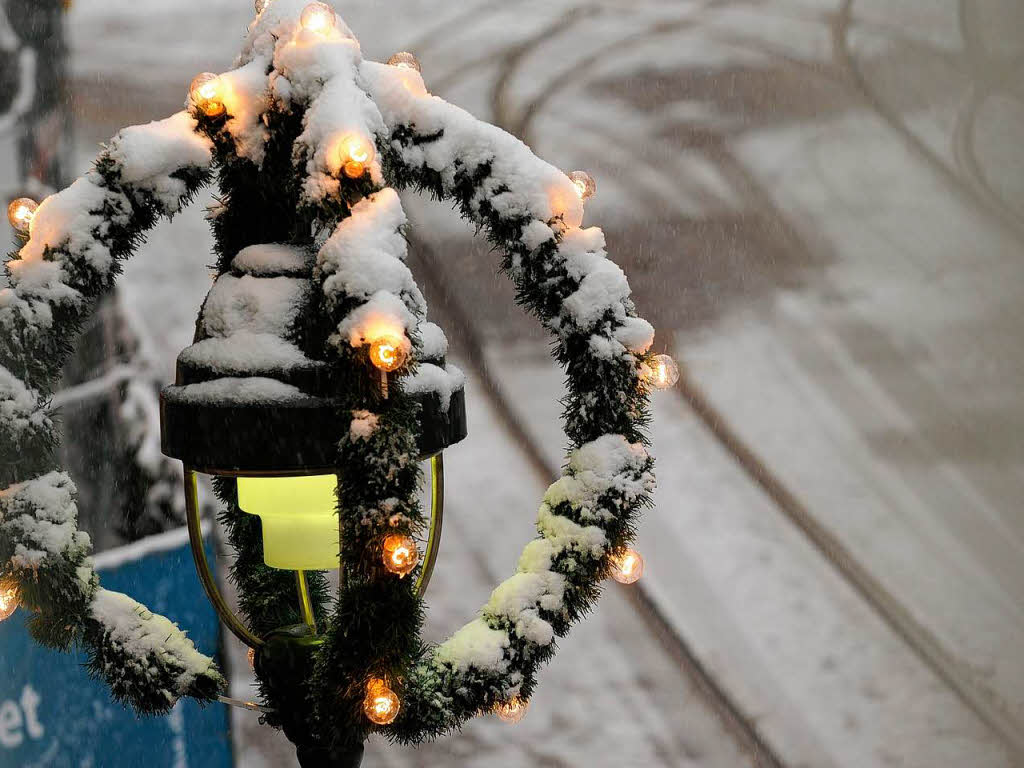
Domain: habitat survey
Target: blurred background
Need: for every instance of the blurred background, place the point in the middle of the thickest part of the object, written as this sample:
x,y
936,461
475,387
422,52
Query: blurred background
x,y
819,205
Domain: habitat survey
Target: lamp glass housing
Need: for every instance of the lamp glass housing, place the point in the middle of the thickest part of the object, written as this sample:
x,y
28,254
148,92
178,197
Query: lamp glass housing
x,y
300,524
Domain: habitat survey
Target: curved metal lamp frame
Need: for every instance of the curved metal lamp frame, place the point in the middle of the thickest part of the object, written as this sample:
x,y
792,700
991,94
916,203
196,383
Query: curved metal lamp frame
x,y
233,622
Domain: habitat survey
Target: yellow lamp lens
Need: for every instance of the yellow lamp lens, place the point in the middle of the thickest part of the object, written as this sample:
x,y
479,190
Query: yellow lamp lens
x,y
300,527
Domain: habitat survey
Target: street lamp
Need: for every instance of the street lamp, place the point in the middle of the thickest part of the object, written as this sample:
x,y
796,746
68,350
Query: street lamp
x,y
235,412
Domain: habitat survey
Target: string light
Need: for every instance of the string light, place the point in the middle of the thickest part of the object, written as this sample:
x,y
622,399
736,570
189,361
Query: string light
x,y
400,554
405,60
318,17
20,213
388,353
207,94
355,153
627,566
584,183
9,599
663,372
513,710
381,705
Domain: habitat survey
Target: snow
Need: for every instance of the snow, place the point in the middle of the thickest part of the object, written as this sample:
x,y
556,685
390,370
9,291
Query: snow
x,y
245,352
248,390
40,517
432,378
148,154
149,638
363,425
246,99
520,599
20,409
366,255
67,219
258,305
433,343
383,313
534,189
272,259
475,646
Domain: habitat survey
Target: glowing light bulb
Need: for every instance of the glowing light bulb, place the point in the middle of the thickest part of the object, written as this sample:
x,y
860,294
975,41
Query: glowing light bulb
x,y
513,710
388,353
355,153
584,183
9,599
627,566
381,705
400,554
405,60
663,372
318,17
207,93
20,213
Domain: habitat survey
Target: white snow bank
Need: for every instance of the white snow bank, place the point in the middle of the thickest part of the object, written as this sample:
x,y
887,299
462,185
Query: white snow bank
x,y
265,305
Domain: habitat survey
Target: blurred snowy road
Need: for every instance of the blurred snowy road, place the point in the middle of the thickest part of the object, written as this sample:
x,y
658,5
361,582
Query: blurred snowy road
x,y
818,203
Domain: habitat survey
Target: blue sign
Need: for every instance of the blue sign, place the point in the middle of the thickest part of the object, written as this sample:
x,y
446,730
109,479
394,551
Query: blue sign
x,y
52,714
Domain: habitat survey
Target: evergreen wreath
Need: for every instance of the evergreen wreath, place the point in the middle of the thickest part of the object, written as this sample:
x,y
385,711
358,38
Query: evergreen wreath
x,y
277,132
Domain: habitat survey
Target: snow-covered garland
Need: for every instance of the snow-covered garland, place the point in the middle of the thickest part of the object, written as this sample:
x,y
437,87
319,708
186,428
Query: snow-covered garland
x,y
531,212
79,236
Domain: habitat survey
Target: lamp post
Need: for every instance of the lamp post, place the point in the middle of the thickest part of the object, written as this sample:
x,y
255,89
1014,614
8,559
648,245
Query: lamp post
x,y
249,405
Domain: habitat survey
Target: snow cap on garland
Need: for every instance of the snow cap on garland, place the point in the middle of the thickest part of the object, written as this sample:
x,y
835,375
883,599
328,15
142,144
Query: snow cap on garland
x,y
309,142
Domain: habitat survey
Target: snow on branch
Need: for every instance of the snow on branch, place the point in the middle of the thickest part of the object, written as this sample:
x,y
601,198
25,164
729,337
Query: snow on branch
x,y
145,658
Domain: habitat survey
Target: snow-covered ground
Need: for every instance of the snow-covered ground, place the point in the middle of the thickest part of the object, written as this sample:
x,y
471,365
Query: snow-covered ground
x,y
825,225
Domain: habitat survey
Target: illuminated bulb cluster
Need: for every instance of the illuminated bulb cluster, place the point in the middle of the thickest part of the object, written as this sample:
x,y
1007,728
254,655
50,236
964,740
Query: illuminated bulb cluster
x,y
405,60
584,183
513,710
207,92
627,566
381,704
663,372
400,554
388,353
20,213
318,17
9,599
355,153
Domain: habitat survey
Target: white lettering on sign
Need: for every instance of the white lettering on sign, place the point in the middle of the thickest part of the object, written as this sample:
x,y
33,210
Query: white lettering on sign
x,y
21,717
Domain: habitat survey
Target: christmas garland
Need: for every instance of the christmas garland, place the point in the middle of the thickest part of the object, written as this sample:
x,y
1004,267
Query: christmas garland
x,y
337,134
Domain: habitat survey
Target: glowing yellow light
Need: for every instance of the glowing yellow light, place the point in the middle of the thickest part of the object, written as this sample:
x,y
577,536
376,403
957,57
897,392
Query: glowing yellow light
x,y
388,353
20,213
513,710
663,372
400,554
381,705
405,60
627,566
207,92
317,17
355,153
9,598
584,183
300,526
